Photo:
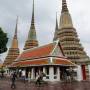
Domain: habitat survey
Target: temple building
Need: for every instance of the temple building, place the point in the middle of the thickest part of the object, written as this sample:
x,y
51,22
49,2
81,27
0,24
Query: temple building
x,y
13,51
49,58
70,42
68,37
64,54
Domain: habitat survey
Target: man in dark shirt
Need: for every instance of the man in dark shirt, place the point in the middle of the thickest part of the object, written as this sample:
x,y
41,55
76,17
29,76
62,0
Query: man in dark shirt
x,y
13,79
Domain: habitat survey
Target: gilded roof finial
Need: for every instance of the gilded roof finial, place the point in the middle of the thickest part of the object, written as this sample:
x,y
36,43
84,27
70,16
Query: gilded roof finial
x,y
56,22
32,22
15,35
64,6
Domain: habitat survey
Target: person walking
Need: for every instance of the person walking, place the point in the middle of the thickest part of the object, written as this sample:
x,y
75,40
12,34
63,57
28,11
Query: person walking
x,y
39,78
13,79
24,76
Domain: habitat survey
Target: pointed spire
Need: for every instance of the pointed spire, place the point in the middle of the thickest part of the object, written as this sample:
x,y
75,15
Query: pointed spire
x,y
56,22
15,40
64,6
32,21
15,35
65,18
13,51
32,32
56,29
32,37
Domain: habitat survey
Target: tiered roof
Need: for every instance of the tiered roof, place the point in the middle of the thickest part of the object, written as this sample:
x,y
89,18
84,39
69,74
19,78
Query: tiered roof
x,y
68,37
13,52
43,55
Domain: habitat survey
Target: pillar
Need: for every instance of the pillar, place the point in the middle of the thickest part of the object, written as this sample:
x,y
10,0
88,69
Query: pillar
x,y
79,73
44,70
89,71
58,74
44,78
32,73
51,73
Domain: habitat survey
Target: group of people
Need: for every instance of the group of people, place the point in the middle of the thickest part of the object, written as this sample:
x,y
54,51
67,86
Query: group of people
x,y
67,75
39,78
14,76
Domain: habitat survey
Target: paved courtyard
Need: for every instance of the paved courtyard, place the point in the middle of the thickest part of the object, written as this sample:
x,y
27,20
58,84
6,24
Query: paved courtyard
x,y
85,85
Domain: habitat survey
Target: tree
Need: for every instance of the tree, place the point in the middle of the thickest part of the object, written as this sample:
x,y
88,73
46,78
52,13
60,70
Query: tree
x,y
2,71
3,41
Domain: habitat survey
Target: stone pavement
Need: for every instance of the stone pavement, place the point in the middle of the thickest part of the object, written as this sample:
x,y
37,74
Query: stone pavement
x,y
84,85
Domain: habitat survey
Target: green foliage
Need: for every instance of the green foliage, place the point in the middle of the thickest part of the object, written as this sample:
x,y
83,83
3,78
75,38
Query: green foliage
x,y
2,70
3,41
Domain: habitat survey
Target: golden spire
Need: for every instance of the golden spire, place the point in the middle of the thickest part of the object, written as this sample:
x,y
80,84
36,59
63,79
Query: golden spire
x,y
13,51
64,6
15,41
56,22
15,35
68,36
56,29
32,32
65,18
32,21
32,38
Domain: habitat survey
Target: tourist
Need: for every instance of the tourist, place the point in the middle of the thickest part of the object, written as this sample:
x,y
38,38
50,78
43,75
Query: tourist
x,y
39,78
13,79
23,75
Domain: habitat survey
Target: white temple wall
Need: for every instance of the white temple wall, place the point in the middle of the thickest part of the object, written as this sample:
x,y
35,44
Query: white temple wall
x,y
51,73
44,78
32,74
58,74
51,76
79,73
89,71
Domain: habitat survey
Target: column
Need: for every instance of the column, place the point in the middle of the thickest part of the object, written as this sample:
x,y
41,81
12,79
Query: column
x,y
79,73
89,71
32,73
51,73
58,74
44,78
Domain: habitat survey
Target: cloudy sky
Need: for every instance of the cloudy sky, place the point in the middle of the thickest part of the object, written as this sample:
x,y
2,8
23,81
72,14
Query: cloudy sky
x,y
45,15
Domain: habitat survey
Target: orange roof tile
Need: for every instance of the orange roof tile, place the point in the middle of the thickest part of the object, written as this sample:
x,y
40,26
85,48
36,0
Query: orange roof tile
x,y
37,52
33,62
62,61
43,61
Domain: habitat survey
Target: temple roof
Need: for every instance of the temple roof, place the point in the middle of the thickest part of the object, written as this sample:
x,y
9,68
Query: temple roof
x,y
37,52
44,55
43,62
